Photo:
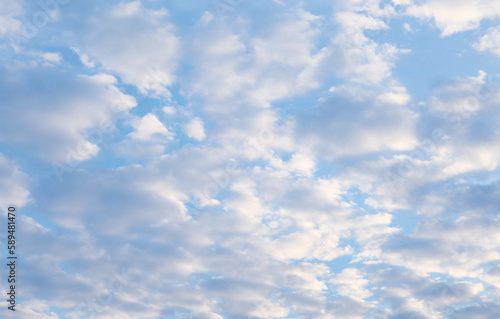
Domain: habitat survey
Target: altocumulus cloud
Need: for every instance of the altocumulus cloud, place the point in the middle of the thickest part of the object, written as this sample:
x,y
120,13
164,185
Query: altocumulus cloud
x,y
252,159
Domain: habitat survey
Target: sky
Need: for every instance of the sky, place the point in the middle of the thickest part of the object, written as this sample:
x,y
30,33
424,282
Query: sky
x,y
245,159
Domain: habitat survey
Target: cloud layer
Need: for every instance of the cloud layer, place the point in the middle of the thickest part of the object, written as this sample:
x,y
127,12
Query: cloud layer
x,y
238,159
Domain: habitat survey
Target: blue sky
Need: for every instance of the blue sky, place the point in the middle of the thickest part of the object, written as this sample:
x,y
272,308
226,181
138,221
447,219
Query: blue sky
x,y
252,159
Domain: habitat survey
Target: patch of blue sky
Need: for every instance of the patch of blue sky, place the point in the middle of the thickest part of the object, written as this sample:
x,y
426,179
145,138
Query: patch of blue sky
x,y
357,198
406,220
30,210
340,263
434,60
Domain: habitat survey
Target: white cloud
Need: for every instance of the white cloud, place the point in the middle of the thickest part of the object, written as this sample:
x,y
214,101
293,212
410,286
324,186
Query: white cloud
x,y
290,42
285,210
9,18
149,138
149,127
84,58
468,144
169,110
135,43
240,71
434,245
355,57
14,188
454,16
490,41
348,123
35,309
194,129
72,121
303,164
351,283
52,57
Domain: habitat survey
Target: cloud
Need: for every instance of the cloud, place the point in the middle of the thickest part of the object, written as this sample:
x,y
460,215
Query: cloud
x,y
434,245
347,124
9,19
272,161
469,142
351,283
453,16
149,127
52,57
84,58
482,311
149,138
239,71
54,120
353,56
490,41
135,43
194,129
15,188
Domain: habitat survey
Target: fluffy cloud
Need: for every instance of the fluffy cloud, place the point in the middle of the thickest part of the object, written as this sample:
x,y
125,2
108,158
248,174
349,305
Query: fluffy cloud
x,y
267,162
149,138
453,16
351,283
62,119
135,43
9,22
490,41
348,123
148,128
194,129
235,70
15,186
